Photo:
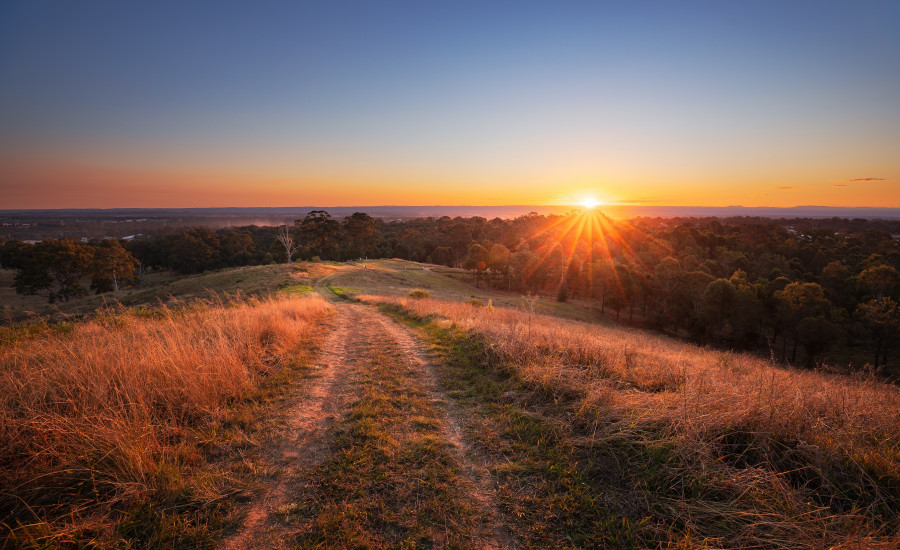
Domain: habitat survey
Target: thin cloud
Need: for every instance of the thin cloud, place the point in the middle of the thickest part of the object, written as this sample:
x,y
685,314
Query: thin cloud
x,y
839,185
864,179
786,188
636,201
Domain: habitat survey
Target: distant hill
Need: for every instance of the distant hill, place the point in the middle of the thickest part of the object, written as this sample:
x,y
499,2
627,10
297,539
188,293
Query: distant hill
x,y
275,215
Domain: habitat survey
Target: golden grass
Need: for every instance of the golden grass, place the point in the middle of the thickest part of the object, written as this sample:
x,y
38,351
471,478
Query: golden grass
x,y
98,414
801,452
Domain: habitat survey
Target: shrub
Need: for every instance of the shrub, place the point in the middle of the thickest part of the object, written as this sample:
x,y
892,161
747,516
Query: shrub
x,y
418,293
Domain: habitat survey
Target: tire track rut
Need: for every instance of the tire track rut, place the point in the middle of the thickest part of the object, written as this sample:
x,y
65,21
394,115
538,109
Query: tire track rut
x,y
483,487
356,331
308,421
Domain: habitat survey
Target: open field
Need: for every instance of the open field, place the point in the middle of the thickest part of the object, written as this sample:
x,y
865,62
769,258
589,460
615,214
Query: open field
x,y
157,288
466,418
109,430
397,277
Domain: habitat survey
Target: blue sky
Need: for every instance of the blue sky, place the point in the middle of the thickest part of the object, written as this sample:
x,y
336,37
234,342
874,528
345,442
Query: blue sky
x,y
452,102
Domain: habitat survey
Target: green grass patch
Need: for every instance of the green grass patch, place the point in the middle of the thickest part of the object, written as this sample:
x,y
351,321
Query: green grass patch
x,y
297,290
344,292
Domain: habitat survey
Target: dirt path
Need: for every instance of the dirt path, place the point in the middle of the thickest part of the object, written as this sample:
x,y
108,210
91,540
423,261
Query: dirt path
x,y
308,420
482,485
358,333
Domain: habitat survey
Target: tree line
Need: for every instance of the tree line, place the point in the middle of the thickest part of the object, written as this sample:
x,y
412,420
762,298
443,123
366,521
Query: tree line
x,y
795,288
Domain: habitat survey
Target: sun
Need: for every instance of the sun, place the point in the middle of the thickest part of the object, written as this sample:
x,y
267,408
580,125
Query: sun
x,y
589,203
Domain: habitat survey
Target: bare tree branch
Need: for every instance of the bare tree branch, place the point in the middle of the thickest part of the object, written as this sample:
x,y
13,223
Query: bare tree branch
x,y
283,233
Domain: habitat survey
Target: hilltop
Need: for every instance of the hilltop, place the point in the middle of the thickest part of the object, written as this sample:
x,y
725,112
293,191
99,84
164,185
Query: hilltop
x,y
389,403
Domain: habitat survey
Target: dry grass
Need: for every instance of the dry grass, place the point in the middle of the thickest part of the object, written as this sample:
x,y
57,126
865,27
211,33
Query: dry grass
x,y
98,417
760,454
391,480
158,286
397,277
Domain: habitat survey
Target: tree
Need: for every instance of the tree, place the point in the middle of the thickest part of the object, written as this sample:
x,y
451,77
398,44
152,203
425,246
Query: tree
x,y
459,237
476,260
498,262
799,301
625,289
562,293
55,266
816,334
718,301
443,255
688,301
319,233
535,273
574,276
518,263
192,251
882,318
836,280
235,247
556,262
410,240
362,232
747,317
285,236
880,279
604,280
666,275
111,265
13,254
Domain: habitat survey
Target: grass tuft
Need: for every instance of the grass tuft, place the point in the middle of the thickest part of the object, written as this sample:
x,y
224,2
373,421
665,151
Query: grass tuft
x,y
104,428
674,444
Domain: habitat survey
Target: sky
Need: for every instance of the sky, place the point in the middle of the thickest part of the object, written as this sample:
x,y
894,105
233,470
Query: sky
x,y
108,104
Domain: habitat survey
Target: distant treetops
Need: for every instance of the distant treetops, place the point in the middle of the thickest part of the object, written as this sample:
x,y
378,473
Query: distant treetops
x,y
793,287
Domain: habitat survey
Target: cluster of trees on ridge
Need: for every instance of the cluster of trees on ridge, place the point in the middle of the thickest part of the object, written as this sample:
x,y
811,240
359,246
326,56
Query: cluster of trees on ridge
x,y
795,288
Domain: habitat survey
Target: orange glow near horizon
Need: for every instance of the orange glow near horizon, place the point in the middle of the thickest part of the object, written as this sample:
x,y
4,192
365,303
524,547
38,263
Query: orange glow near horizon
x,y
42,183
651,107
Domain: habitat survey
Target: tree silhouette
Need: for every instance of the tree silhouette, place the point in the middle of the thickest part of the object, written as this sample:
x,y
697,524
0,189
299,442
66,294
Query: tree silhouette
x,y
880,279
54,266
111,265
476,260
799,301
319,233
362,234
882,318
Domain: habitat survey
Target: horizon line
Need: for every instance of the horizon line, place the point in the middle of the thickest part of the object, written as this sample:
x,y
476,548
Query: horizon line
x,y
524,206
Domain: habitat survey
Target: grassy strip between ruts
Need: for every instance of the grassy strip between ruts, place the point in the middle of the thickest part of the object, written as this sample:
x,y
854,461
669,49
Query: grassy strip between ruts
x,y
551,492
574,473
391,480
345,293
